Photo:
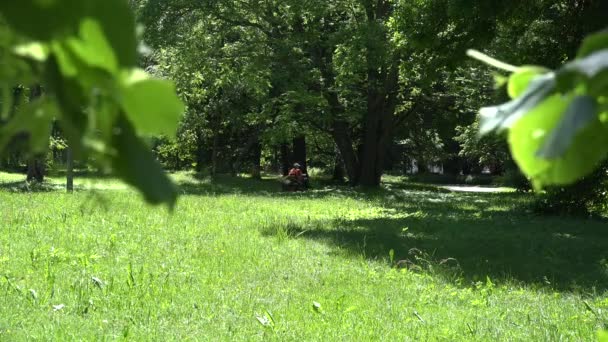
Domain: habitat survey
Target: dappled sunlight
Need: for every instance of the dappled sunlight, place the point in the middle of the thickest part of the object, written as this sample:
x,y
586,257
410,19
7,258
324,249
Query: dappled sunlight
x,y
245,242
484,237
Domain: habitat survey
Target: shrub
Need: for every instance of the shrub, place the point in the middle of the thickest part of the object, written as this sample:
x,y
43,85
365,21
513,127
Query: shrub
x,y
588,196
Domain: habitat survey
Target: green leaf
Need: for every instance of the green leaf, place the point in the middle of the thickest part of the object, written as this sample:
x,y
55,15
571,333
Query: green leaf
x,y
35,119
118,23
528,135
92,47
589,66
602,336
44,20
136,165
581,112
598,85
504,116
151,104
519,80
539,88
65,60
34,50
593,43
47,20
70,98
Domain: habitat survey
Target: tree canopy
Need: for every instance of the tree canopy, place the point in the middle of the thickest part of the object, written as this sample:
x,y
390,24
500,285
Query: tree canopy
x,y
367,86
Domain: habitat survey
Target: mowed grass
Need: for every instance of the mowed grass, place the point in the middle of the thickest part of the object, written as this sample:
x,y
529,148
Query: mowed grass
x,y
239,260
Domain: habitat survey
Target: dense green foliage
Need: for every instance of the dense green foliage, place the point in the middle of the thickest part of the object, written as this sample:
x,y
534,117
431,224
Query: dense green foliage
x,y
556,116
360,87
83,54
358,74
382,83
239,261
357,88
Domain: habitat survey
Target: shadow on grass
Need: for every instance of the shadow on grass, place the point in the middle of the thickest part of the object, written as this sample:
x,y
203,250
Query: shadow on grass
x,y
221,184
23,186
502,241
271,186
82,174
484,234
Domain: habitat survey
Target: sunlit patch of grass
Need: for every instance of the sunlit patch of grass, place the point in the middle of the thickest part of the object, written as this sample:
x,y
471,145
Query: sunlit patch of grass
x,y
240,260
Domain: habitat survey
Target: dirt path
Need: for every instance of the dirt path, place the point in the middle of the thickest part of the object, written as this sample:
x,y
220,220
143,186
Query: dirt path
x,y
475,188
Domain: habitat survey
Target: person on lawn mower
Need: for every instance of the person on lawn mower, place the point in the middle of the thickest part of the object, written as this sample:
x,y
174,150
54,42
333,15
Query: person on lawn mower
x,y
297,175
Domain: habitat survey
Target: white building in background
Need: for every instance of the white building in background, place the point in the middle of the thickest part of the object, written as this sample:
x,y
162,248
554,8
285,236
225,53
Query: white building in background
x,y
436,168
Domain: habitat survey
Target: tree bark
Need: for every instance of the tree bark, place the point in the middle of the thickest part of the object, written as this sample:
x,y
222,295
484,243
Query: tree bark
x,y
451,165
214,153
200,151
257,161
423,168
381,102
35,165
299,152
275,163
338,174
35,170
347,152
285,165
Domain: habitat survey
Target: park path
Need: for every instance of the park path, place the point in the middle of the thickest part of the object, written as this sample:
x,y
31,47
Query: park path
x,y
475,188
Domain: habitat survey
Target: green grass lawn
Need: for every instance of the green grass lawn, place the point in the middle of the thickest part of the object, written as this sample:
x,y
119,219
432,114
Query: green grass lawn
x,y
239,260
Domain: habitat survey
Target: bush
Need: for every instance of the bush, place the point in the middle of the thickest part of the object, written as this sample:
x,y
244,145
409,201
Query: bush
x,y
447,179
513,178
586,197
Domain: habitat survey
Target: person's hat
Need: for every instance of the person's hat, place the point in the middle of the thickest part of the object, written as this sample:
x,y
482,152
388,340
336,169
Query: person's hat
x,y
296,165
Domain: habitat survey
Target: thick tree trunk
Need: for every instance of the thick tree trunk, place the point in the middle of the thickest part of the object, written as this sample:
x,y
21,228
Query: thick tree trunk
x,y
344,143
285,165
378,126
35,170
369,152
451,165
257,161
299,152
69,184
382,84
422,165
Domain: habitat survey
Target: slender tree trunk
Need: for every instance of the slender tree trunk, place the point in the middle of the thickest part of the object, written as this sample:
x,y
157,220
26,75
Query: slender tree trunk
x,y
285,164
275,164
299,152
214,153
35,165
422,165
338,174
69,184
200,151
